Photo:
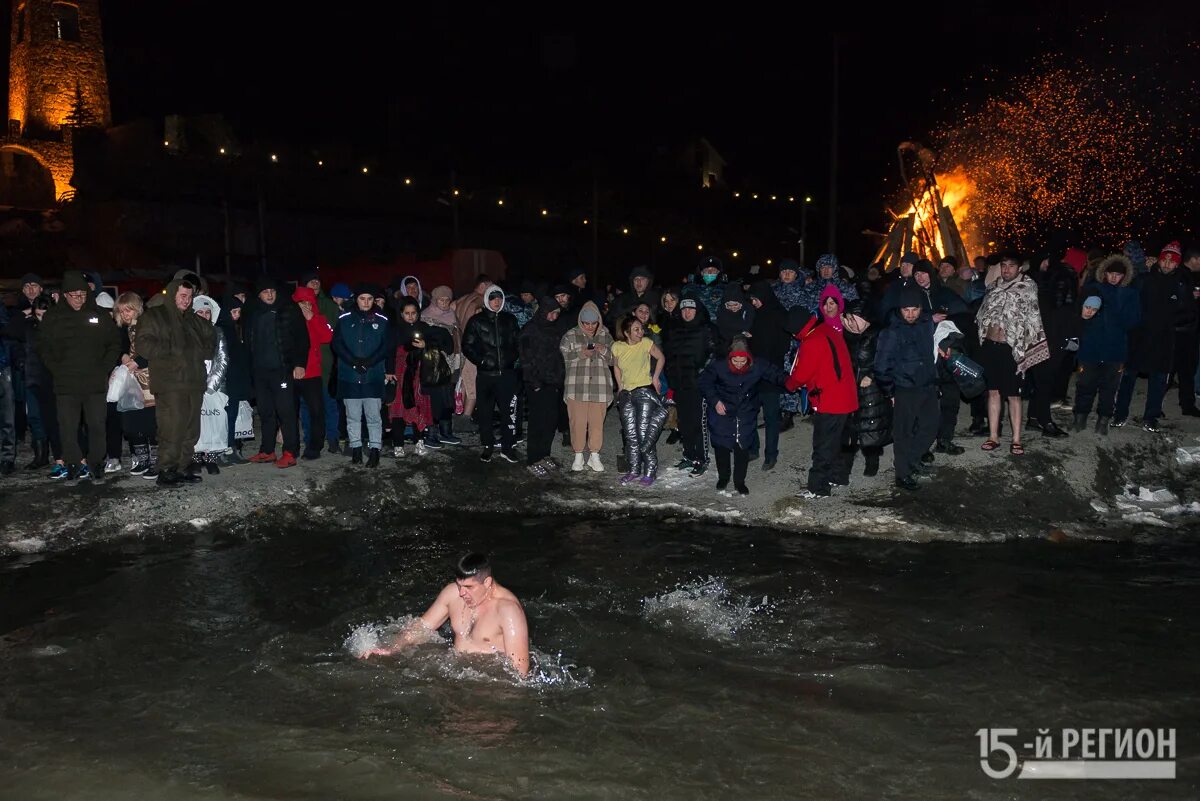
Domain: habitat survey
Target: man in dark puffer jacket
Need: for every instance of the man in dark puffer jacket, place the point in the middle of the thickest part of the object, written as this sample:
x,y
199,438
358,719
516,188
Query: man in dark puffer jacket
x,y
690,343
544,372
490,342
277,339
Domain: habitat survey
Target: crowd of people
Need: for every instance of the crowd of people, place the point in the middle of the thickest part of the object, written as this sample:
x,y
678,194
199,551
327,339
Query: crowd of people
x,y
166,387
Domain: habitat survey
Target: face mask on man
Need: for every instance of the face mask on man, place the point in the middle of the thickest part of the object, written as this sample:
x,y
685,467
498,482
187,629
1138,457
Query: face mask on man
x,y
708,278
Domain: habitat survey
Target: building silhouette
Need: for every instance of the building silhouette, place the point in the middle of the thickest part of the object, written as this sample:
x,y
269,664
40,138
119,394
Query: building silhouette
x,y
57,85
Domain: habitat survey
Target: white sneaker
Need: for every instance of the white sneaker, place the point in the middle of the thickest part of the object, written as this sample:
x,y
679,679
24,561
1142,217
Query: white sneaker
x,y
577,465
594,463
112,466
398,451
421,449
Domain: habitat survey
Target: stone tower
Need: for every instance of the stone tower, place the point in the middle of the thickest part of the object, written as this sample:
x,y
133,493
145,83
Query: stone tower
x,y
57,81
56,63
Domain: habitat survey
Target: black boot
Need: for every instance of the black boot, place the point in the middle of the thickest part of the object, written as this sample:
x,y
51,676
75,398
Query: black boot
x,y
152,468
1051,429
41,455
1080,423
168,478
673,437
871,467
141,459
1102,426
787,422
979,427
356,456
373,459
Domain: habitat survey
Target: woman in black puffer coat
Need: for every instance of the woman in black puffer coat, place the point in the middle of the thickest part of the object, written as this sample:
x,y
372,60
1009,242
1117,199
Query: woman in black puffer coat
x,y
870,428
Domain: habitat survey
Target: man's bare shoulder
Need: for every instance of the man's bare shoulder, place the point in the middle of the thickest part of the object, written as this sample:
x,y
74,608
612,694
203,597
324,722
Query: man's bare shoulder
x,y
510,606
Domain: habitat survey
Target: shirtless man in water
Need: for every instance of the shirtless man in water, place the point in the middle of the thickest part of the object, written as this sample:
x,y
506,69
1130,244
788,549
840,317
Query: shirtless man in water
x,y
486,618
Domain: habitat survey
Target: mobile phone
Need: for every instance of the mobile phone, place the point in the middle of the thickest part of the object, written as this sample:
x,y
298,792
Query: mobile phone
x,y
591,346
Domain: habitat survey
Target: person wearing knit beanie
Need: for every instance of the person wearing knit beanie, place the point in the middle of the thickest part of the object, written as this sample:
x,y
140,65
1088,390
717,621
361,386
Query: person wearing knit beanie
x,y
1171,250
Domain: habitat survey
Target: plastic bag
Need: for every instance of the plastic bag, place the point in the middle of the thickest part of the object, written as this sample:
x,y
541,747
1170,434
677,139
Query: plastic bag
x,y
130,397
243,427
460,399
115,380
214,425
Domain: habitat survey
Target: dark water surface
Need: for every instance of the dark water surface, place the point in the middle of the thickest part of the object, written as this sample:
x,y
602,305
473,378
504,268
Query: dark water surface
x,y
674,661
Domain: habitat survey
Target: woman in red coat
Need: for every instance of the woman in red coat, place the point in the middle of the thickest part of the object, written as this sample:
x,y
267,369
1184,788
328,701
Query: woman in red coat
x,y
311,389
824,367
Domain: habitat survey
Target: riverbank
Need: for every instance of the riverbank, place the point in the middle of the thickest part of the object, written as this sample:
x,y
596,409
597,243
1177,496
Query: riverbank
x,y
1132,483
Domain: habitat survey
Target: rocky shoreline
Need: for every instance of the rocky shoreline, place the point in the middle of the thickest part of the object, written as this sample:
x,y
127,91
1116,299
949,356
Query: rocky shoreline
x,y
1131,484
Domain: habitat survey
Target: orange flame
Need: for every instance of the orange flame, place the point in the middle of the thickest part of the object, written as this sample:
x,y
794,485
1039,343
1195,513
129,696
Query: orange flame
x,y
958,192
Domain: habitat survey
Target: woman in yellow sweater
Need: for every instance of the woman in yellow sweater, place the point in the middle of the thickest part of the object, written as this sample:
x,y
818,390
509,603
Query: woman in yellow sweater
x,y
638,400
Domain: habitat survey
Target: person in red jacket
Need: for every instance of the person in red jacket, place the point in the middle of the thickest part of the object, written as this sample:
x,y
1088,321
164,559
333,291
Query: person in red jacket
x,y
310,388
823,365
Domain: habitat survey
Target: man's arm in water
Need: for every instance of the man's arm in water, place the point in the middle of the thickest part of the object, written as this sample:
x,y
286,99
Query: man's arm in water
x,y
437,614
516,636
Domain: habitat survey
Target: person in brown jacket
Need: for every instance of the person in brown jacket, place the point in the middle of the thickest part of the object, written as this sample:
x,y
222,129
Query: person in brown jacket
x,y
176,342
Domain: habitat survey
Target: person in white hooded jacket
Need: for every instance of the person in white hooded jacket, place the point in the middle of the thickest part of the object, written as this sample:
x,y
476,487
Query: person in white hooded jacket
x,y
213,420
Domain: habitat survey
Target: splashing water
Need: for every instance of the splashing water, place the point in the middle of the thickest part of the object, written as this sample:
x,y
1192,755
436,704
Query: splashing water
x,y
704,607
545,670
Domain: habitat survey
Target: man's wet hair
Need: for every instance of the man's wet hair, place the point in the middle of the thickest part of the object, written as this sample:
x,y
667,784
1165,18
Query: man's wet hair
x,y
473,565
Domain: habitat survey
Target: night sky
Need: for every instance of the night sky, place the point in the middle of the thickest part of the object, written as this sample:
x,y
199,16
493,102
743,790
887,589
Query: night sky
x,y
511,96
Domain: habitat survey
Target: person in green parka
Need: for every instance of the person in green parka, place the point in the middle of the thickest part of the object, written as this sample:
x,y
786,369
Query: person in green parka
x,y
176,342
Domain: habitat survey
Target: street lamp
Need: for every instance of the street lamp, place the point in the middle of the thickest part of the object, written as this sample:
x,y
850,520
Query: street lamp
x,y
804,227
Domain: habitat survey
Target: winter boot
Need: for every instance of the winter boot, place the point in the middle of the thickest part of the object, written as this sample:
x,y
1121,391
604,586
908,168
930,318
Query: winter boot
x,y
41,455
356,456
141,459
373,459
1080,423
871,467
334,447
787,422
1102,426
152,464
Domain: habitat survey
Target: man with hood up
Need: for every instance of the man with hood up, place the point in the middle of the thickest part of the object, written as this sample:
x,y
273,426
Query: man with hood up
x,y
827,273
79,344
689,344
545,372
176,343
641,290
277,339
490,342
769,343
735,317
